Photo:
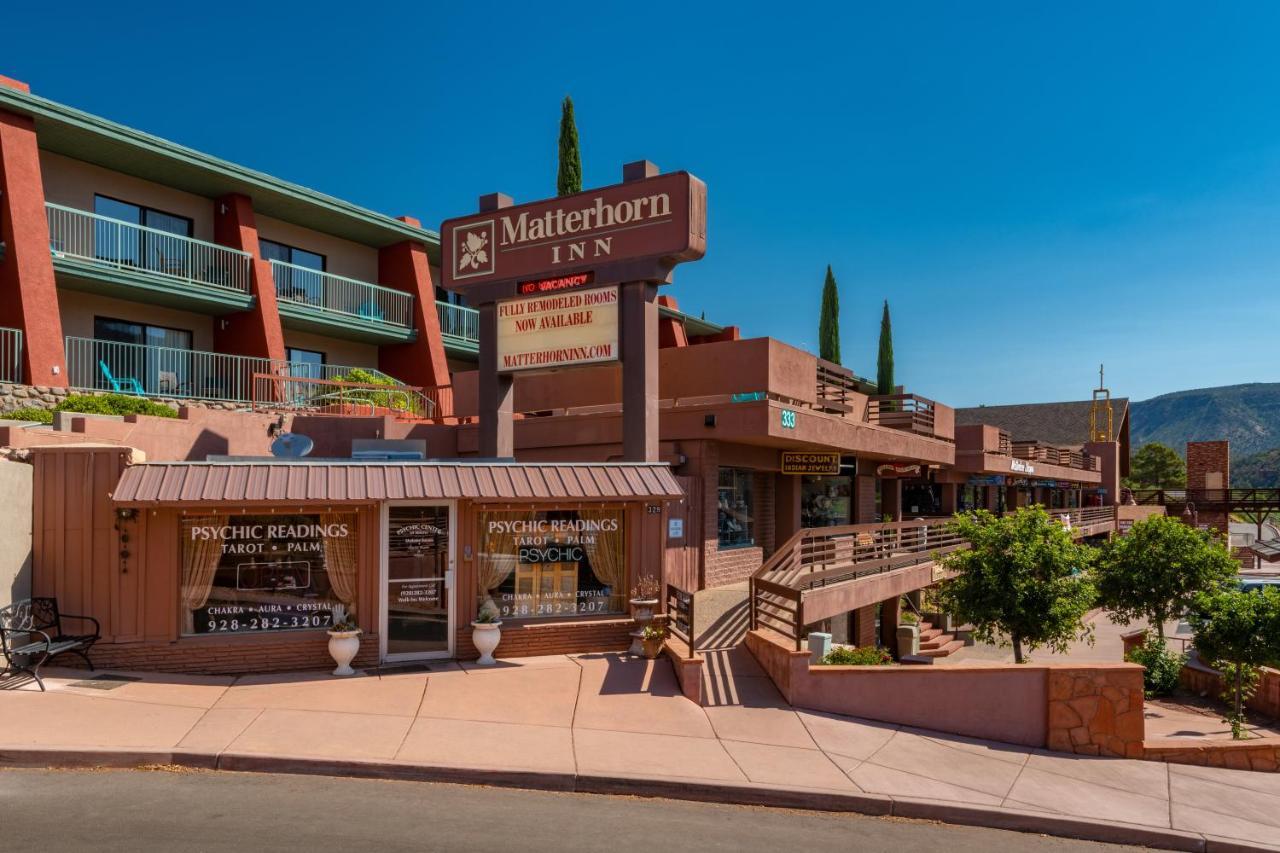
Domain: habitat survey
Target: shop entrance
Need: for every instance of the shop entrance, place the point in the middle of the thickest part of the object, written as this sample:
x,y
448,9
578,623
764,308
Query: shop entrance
x,y
417,586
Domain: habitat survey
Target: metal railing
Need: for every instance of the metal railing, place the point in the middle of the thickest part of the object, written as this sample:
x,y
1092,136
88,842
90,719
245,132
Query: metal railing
x,y
1080,518
680,616
273,392
458,321
10,355
902,411
341,295
178,374
126,245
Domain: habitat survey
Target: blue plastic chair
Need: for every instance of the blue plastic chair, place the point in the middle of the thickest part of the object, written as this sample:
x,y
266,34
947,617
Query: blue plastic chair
x,y
123,385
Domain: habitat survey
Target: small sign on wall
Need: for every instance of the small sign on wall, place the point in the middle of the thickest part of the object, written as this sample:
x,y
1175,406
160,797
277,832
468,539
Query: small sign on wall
x,y
675,528
801,462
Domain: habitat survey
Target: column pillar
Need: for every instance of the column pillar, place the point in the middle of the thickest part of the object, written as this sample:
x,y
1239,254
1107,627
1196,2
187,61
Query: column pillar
x,y
786,501
256,332
421,361
891,498
950,496
639,350
28,289
497,394
889,624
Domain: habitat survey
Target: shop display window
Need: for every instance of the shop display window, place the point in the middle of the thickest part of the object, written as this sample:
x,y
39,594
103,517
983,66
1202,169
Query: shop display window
x,y
551,563
735,508
249,574
826,501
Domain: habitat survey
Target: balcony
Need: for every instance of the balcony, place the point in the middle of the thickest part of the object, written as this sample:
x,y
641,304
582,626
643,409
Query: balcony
x,y
178,374
11,355
459,327
339,306
1036,451
123,259
907,412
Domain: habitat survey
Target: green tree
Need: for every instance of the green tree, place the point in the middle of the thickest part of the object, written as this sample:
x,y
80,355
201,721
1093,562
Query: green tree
x,y
1022,578
1236,632
1156,571
1156,466
884,360
829,320
569,174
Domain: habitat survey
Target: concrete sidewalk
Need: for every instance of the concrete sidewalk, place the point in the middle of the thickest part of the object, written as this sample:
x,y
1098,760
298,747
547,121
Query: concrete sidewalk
x,y
608,722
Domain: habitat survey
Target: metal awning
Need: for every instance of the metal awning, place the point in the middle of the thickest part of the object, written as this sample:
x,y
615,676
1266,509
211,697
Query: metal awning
x,y
1266,549
241,483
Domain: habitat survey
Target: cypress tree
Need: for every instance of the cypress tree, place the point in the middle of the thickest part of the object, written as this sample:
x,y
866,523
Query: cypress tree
x,y
569,175
829,320
884,362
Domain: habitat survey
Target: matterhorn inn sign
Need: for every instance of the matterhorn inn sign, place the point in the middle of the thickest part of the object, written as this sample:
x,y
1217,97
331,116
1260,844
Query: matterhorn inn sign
x,y
633,231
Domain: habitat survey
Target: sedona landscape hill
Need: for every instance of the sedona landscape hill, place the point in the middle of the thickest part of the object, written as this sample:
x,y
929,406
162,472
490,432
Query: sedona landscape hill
x,y
1246,415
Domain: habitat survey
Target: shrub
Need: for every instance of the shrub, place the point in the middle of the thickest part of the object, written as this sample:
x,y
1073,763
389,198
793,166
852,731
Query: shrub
x,y
1160,676
859,656
29,413
114,404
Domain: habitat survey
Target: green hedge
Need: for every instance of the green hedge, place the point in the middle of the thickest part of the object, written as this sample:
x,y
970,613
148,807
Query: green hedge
x,y
859,656
94,404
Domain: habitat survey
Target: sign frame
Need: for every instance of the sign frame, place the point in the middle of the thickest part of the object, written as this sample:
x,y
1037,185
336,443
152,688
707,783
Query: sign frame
x,y
821,463
477,260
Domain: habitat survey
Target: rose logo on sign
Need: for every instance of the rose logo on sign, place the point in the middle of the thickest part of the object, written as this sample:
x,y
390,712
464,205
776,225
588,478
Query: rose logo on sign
x,y
475,250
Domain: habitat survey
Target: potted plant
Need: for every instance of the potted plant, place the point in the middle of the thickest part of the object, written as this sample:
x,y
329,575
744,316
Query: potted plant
x,y
486,631
651,639
344,639
644,599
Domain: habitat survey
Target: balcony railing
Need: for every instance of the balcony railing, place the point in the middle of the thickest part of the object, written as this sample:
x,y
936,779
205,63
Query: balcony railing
x,y
458,321
124,245
902,411
174,373
1036,451
341,295
10,355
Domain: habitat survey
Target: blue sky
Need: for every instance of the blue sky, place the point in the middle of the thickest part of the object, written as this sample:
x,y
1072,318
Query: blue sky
x,y
1034,187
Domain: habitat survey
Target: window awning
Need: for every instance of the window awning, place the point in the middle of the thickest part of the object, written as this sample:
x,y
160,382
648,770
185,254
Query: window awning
x,y
211,484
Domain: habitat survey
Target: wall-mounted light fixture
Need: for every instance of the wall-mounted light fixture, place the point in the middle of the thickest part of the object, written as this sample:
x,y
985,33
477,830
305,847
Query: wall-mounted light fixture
x,y
126,513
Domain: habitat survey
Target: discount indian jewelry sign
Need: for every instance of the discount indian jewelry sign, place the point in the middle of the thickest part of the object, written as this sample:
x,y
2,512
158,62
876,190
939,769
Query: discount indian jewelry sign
x,y
560,330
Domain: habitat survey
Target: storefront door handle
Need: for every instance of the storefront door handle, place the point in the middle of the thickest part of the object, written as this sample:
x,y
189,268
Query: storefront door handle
x,y
448,579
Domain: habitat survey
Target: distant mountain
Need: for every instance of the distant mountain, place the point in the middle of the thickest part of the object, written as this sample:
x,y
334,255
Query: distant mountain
x,y
1246,415
1261,470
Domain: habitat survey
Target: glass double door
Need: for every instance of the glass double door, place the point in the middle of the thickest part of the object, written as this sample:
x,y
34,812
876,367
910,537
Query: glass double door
x,y
417,587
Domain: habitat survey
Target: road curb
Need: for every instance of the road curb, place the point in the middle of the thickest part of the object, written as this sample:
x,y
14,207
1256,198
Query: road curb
x,y
750,794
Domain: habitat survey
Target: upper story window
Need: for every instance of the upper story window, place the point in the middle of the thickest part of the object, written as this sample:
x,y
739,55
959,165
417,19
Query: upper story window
x,y
736,507
297,282
137,247
273,251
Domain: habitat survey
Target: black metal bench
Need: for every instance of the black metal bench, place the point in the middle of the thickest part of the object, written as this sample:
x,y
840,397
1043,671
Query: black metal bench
x,y
31,635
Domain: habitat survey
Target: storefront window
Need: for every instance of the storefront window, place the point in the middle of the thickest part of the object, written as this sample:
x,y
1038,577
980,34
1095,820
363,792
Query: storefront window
x,y
553,562
246,574
736,509
825,501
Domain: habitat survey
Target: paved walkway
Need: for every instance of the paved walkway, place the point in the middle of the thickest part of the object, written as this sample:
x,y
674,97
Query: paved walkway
x,y
606,715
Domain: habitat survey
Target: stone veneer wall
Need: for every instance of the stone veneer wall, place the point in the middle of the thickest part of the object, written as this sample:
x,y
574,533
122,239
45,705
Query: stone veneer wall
x,y
47,397
1096,710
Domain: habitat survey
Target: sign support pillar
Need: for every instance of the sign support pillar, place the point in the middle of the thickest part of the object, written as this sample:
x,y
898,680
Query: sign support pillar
x,y
497,393
639,345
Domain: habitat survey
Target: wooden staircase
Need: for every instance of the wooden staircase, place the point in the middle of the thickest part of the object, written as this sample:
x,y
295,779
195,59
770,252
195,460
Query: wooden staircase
x,y
936,644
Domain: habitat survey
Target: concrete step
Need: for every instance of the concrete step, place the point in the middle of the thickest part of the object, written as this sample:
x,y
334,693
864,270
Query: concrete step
x,y
954,645
937,642
930,634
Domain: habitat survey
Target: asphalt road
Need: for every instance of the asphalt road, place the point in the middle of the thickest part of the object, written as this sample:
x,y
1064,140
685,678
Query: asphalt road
x,y
123,810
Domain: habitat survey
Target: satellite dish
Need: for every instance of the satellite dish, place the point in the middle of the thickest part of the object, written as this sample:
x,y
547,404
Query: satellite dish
x,y
290,445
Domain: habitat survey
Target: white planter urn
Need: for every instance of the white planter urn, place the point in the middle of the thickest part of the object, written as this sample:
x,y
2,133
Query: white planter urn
x,y
343,646
485,637
642,609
